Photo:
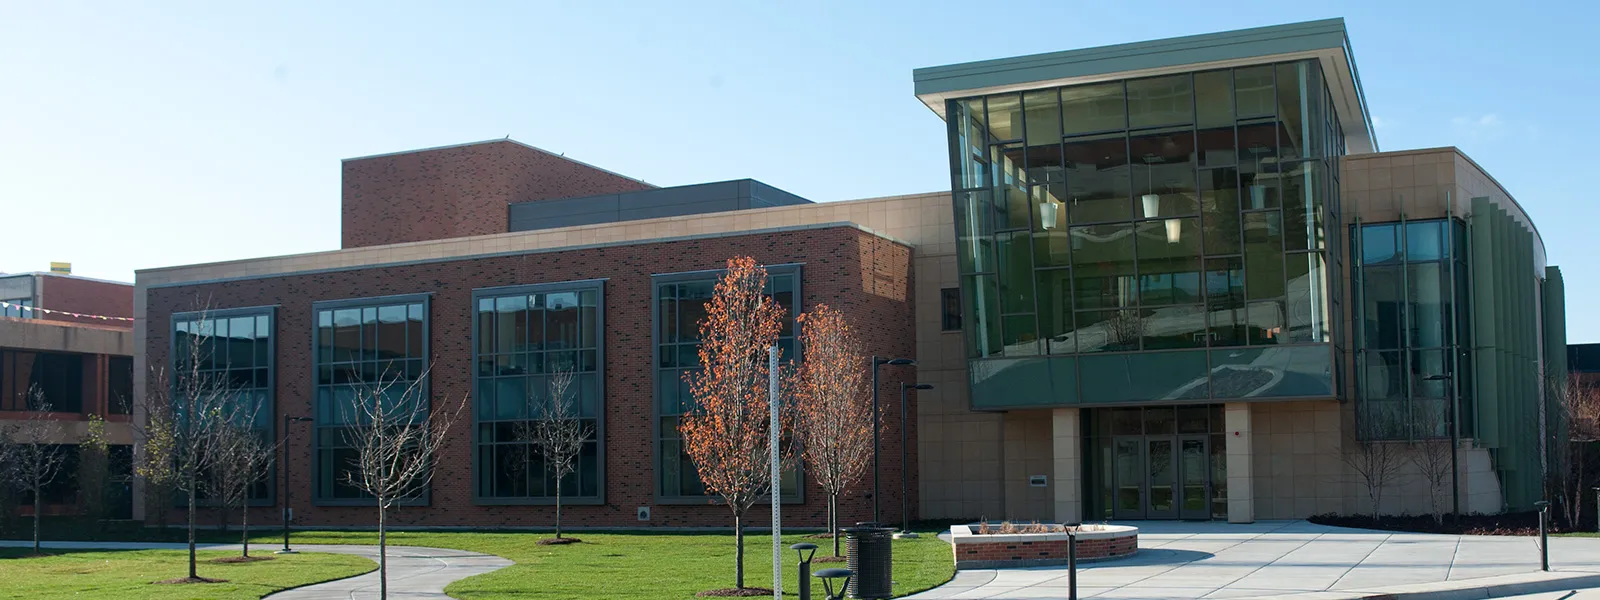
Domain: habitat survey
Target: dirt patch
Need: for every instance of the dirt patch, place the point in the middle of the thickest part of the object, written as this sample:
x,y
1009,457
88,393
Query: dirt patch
x,y
819,536
1524,523
734,592
830,559
178,580
560,541
239,559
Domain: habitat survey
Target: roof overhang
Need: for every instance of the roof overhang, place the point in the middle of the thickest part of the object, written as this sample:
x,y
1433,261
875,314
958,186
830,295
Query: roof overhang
x,y
1326,41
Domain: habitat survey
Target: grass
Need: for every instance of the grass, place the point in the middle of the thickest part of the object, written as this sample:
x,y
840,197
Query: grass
x,y
119,575
620,566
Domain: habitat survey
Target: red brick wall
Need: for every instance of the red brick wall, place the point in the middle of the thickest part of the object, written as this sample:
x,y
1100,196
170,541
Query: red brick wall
x,y
87,297
1052,550
459,191
867,277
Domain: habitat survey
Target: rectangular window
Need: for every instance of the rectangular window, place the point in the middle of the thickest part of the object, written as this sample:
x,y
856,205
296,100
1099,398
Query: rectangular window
x,y
950,309
527,336
234,346
119,386
680,305
18,308
28,380
358,344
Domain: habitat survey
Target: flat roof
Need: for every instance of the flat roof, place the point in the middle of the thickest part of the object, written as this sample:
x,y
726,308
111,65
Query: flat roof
x,y
1325,40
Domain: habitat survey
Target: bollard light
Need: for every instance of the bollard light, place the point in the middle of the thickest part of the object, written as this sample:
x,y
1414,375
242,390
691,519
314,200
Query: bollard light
x,y
1544,536
829,577
806,551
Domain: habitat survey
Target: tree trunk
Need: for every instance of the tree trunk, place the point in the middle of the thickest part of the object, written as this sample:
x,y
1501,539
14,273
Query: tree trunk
x,y
192,501
558,509
244,528
383,555
738,557
38,506
833,522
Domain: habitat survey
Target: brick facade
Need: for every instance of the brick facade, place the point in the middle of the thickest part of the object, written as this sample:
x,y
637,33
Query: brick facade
x,y
866,276
458,191
1013,550
86,296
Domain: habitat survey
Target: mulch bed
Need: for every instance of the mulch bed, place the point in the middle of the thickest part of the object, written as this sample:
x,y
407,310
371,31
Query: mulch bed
x,y
735,592
177,580
819,536
1524,523
557,541
240,559
830,559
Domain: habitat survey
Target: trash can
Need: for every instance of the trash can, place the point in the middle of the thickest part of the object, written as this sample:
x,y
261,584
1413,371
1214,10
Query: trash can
x,y
871,559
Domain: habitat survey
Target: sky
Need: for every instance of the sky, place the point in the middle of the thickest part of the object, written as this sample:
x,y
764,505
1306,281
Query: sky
x,y
141,135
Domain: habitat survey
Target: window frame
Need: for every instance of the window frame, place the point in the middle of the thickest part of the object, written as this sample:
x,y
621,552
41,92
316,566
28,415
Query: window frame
x,y
271,401
580,285
947,297
426,497
656,281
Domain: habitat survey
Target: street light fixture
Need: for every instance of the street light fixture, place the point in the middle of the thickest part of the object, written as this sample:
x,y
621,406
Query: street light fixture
x,y
905,478
877,424
1455,442
285,467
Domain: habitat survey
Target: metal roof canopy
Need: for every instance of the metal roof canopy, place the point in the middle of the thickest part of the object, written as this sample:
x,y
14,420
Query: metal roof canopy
x,y
1325,40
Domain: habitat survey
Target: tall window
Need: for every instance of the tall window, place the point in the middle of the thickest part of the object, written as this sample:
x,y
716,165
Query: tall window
x,y
950,309
58,377
1409,319
360,343
234,346
525,335
18,308
119,386
681,301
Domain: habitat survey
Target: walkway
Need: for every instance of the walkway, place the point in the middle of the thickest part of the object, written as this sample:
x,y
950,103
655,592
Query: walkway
x,y
1298,559
414,572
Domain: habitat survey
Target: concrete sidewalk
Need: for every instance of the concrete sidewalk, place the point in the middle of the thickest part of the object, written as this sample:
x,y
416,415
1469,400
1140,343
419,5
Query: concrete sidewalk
x,y
414,572
1299,559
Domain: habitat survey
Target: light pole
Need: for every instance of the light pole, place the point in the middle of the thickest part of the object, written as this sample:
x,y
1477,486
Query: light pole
x,y
877,423
1455,443
286,421
905,478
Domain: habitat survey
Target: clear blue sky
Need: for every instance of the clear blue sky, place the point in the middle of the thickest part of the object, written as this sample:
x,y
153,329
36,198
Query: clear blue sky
x,y
137,135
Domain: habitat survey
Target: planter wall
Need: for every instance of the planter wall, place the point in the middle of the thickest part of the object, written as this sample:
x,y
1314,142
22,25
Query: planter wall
x,y
999,551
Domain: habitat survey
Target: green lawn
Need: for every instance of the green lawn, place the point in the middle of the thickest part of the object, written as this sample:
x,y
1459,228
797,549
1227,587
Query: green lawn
x,y
622,566
121,575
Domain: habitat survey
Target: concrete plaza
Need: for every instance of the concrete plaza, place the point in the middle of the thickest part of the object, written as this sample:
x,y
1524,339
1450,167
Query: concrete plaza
x,y
1275,559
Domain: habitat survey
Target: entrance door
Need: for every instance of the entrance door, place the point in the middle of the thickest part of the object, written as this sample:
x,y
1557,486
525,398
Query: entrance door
x,y
1128,471
1194,475
1161,497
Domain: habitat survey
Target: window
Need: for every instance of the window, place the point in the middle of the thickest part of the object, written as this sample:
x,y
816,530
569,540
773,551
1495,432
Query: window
x,y
18,308
119,386
233,346
524,335
359,343
680,301
57,377
950,309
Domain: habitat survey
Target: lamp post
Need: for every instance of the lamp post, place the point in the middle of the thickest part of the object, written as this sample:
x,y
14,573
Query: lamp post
x,y
905,478
286,421
1455,443
877,423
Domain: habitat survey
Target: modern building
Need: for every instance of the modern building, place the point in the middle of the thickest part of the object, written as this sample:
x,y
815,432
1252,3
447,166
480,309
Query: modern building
x,y
1172,279
70,339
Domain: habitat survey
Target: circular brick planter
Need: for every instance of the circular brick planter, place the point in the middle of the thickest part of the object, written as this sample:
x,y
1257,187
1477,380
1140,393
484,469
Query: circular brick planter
x,y
974,550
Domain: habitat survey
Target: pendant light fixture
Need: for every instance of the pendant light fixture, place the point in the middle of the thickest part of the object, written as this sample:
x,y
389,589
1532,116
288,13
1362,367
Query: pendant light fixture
x,y
1174,230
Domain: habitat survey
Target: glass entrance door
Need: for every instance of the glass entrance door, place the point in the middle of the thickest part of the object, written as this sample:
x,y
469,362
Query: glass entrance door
x,y
1161,468
1194,473
1128,470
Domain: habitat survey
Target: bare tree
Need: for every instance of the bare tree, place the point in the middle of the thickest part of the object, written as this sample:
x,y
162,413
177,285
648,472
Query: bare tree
x,y
181,419
155,463
556,428
1430,452
32,454
1577,403
395,442
832,408
242,460
1376,461
94,470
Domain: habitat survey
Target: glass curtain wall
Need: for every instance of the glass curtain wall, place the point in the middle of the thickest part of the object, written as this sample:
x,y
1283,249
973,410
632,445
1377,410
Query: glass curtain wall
x,y
360,343
1409,320
525,335
234,348
1174,213
681,302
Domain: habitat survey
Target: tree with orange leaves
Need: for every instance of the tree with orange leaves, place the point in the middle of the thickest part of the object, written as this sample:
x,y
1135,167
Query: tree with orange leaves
x,y
726,433
832,409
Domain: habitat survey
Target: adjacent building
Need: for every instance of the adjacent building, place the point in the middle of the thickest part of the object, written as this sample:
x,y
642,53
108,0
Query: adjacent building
x,y
1171,279
68,341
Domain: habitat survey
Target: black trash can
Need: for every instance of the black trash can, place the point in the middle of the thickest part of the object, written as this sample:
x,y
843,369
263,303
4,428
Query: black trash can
x,y
871,559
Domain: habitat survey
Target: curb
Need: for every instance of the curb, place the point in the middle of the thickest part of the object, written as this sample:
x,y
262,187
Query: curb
x,y
1552,582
